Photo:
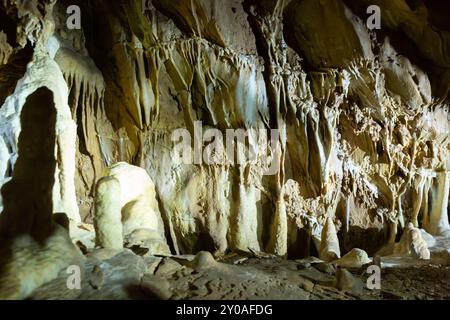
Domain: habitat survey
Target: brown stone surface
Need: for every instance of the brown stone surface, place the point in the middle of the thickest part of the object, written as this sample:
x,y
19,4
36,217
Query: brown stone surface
x,y
362,156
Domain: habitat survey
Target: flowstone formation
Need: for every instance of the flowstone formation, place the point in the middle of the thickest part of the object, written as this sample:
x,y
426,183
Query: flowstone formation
x,y
97,98
126,206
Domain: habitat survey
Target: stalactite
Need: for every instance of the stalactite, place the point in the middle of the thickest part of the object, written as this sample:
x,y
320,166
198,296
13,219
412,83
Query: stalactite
x,y
87,88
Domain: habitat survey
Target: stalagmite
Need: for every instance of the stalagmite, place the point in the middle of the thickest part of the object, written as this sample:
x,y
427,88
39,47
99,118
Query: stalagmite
x,y
418,200
137,199
246,221
329,246
279,230
439,215
108,217
412,243
297,138
33,250
43,71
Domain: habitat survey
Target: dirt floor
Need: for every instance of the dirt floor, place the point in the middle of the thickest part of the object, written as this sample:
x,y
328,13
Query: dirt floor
x,y
126,275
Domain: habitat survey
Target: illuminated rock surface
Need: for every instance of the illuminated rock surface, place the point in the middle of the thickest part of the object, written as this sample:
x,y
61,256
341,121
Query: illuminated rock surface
x,y
362,152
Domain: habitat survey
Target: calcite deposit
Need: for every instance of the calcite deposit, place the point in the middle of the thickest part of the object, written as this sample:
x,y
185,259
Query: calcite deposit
x,y
356,175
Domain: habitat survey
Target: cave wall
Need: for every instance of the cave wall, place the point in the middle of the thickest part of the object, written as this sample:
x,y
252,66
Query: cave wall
x,y
362,115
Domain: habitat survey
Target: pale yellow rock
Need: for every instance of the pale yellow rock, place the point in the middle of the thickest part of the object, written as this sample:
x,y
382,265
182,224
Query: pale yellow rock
x,y
108,216
412,244
27,264
44,72
356,258
364,130
439,223
139,207
203,261
329,247
5,49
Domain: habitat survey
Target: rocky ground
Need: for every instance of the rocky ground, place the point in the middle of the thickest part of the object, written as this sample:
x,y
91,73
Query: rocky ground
x,y
126,275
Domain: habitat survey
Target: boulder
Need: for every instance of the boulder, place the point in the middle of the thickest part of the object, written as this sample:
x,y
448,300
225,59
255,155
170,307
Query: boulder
x,y
356,258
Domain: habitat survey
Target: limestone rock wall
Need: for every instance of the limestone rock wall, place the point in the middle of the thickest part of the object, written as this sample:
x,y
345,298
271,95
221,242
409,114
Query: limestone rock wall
x,y
362,115
41,71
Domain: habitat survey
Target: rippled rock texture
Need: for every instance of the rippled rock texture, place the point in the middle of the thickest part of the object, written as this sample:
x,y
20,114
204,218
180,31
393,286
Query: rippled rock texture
x,y
362,151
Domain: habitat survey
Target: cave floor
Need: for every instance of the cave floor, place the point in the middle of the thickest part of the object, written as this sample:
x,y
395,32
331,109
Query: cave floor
x,y
126,275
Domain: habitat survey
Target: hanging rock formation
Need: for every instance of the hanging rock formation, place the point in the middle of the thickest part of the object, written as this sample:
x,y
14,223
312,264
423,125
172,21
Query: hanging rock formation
x,y
359,161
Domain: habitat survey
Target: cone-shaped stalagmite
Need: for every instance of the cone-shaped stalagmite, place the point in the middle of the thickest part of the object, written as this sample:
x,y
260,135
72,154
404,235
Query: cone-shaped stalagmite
x,y
329,246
